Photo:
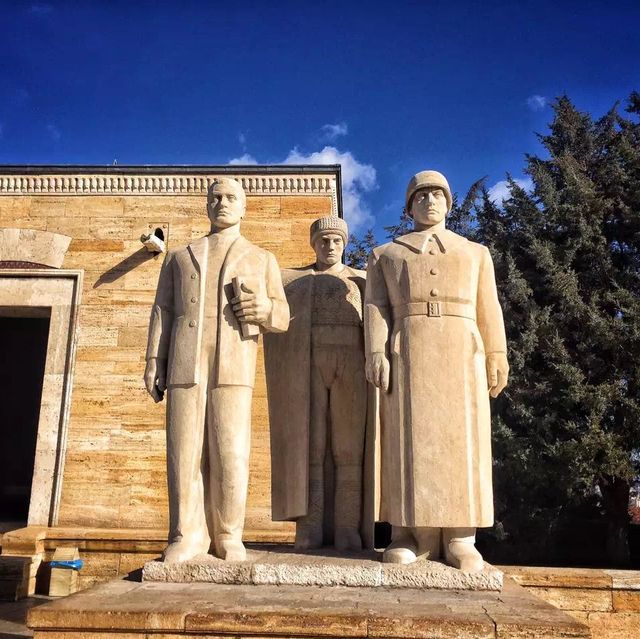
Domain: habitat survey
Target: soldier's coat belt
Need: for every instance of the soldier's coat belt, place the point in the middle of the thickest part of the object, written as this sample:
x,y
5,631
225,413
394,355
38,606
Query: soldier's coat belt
x,y
435,309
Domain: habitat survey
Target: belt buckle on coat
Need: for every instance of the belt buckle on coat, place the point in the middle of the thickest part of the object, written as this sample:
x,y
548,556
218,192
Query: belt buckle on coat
x,y
433,309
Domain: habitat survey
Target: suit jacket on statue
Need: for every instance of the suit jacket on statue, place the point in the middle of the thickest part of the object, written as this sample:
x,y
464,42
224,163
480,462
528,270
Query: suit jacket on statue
x,y
177,318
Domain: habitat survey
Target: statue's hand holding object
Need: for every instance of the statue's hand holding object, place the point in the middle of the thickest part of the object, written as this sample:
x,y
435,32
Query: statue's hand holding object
x,y
250,307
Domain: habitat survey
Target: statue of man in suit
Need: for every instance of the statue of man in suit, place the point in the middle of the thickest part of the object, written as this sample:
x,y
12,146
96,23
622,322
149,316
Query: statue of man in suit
x,y
436,345
213,299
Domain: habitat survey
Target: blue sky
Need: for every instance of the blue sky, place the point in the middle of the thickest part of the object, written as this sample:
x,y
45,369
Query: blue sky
x,y
385,88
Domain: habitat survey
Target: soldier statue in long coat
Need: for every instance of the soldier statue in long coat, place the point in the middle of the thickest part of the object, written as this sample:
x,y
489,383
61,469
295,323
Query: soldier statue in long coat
x,y
435,343
319,400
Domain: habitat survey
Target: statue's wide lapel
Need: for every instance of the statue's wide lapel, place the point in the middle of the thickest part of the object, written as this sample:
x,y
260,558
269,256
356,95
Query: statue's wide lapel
x,y
198,250
236,252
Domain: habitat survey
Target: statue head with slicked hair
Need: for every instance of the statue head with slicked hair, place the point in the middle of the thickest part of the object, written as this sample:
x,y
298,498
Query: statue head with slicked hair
x,y
226,203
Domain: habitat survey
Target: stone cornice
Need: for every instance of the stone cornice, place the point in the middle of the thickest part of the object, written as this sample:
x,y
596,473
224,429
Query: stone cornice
x,y
166,180
161,184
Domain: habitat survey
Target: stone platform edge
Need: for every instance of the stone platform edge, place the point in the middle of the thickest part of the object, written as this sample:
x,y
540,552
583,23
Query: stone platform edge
x,y
280,567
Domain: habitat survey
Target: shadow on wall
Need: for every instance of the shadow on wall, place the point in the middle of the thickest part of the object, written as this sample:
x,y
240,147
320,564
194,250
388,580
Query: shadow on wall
x,y
123,267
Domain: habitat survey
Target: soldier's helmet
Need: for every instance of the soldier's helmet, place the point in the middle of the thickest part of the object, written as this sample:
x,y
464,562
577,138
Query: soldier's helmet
x,y
426,179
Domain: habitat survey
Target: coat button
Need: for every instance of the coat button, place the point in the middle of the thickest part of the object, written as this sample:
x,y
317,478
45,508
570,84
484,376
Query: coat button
x,y
194,299
193,323
434,271
193,276
434,292
432,252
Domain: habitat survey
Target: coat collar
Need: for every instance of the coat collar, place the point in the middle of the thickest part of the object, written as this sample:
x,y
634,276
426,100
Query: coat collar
x,y
419,241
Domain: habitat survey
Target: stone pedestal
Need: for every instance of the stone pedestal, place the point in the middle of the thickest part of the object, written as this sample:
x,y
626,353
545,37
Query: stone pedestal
x,y
282,566
126,610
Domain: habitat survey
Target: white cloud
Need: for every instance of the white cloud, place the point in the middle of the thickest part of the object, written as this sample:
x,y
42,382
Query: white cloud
x,y
332,131
357,180
54,132
536,102
499,192
242,138
245,158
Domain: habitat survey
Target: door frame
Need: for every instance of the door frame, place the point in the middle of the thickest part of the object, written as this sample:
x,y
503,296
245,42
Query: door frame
x,y
60,291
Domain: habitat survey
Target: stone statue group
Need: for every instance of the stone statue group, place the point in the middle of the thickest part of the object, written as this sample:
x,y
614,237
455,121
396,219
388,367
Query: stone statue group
x,y
378,384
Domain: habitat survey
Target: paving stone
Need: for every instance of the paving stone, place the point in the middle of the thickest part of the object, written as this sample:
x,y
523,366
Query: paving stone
x,y
513,620
13,615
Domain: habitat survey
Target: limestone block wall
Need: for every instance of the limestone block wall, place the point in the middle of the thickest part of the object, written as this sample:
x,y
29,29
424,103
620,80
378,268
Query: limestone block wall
x,y
114,472
608,601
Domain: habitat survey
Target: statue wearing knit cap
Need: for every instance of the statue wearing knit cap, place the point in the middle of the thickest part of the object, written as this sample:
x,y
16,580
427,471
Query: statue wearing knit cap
x,y
436,347
319,400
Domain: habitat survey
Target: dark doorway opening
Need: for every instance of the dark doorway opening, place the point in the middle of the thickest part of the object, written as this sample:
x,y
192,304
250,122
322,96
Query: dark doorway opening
x,y
23,352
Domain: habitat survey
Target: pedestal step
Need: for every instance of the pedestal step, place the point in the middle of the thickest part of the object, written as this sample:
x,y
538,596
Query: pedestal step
x,y
121,609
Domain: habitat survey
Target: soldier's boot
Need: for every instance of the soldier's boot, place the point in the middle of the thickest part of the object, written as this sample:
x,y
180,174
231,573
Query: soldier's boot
x,y
428,539
309,527
460,550
348,507
403,548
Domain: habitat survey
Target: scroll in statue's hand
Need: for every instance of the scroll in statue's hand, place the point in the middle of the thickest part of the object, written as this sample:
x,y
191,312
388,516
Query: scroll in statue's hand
x,y
251,307
377,370
155,378
497,372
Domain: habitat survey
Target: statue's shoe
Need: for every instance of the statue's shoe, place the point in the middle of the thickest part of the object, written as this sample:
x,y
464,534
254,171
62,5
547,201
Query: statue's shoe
x,y
231,549
347,538
183,550
401,551
308,537
463,555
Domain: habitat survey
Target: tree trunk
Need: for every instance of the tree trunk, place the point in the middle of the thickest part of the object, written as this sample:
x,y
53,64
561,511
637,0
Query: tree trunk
x,y
615,499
